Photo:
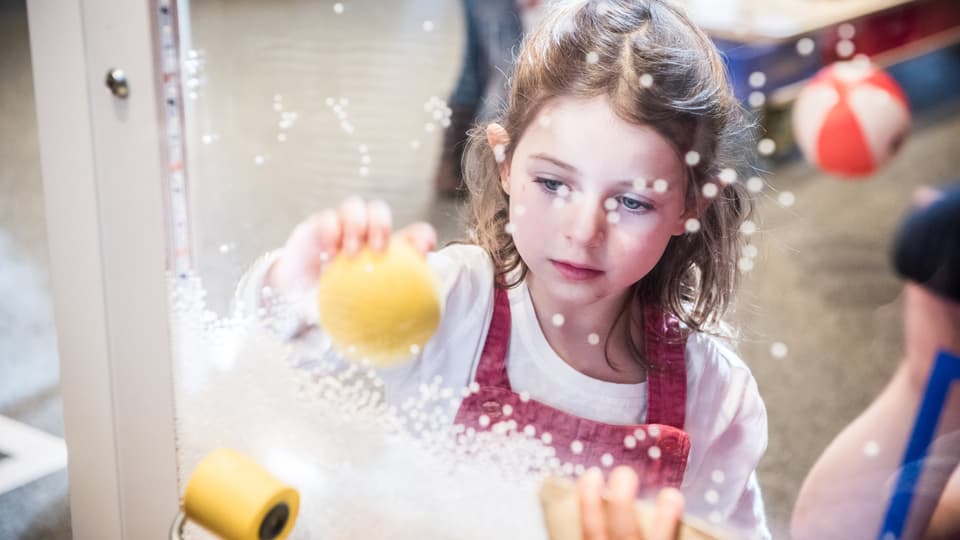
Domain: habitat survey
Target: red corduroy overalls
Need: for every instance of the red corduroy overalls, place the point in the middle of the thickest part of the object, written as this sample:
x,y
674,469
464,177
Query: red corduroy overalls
x,y
656,450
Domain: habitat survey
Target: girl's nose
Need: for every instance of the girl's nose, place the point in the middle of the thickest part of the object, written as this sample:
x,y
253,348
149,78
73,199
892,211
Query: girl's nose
x,y
586,220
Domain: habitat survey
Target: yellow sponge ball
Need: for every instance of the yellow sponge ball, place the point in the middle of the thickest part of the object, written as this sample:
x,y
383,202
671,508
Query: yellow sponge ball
x,y
381,306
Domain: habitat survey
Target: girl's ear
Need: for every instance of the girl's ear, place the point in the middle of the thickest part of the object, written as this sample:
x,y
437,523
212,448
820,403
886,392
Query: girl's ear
x,y
499,140
696,208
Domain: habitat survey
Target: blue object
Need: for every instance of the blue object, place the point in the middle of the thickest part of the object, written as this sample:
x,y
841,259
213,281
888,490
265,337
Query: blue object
x,y
945,372
779,61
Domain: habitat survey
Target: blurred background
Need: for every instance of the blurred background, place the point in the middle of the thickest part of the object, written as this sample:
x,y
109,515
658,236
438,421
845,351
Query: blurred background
x,y
292,105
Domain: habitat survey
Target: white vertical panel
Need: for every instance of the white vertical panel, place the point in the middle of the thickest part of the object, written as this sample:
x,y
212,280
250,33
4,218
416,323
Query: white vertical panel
x,y
103,187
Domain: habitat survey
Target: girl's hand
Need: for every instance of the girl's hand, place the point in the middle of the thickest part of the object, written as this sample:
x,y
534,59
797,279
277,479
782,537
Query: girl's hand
x,y
611,515
350,228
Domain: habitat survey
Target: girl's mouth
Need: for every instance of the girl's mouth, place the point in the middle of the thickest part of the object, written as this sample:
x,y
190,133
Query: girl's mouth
x,y
575,272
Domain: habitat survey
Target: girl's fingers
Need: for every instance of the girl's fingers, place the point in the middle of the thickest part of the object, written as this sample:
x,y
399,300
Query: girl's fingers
x,y
666,523
311,244
324,237
421,236
379,224
621,509
353,220
589,492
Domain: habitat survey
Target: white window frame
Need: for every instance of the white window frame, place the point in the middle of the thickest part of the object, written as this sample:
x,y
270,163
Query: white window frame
x,y
101,161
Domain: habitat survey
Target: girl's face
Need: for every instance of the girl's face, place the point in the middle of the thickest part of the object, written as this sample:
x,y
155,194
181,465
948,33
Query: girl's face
x,y
594,200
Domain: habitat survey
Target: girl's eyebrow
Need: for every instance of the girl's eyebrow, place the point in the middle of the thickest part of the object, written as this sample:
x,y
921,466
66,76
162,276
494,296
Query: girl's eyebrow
x,y
562,164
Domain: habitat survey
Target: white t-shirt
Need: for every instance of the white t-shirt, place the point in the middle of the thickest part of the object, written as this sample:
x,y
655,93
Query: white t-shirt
x,y
725,416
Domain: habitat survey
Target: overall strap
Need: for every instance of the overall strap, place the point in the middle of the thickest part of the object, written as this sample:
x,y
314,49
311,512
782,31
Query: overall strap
x,y
492,370
665,348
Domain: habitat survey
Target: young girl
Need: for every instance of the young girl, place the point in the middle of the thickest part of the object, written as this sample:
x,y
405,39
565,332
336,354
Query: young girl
x,y
604,256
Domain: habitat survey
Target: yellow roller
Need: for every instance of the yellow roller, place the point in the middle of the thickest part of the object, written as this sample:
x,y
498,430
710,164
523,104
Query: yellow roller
x,y
235,498
379,305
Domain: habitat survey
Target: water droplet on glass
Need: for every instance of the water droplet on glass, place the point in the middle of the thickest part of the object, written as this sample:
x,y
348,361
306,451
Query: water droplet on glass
x,y
717,476
846,31
499,153
766,147
786,199
845,48
728,176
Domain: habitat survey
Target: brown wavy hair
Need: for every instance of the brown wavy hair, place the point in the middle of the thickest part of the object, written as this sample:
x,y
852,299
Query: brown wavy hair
x,y
690,103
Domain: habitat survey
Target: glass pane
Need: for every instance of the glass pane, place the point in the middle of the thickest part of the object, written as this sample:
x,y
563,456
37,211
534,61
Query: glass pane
x,y
290,107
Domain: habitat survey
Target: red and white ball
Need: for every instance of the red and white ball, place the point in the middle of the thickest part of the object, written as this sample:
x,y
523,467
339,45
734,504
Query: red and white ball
x,y
851,118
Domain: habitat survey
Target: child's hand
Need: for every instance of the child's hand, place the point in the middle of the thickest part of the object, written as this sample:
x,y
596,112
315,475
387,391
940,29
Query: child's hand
x,y
320,237
612,515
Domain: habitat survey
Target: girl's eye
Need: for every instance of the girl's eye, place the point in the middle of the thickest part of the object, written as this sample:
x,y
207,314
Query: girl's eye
x,y
633,204
553,186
